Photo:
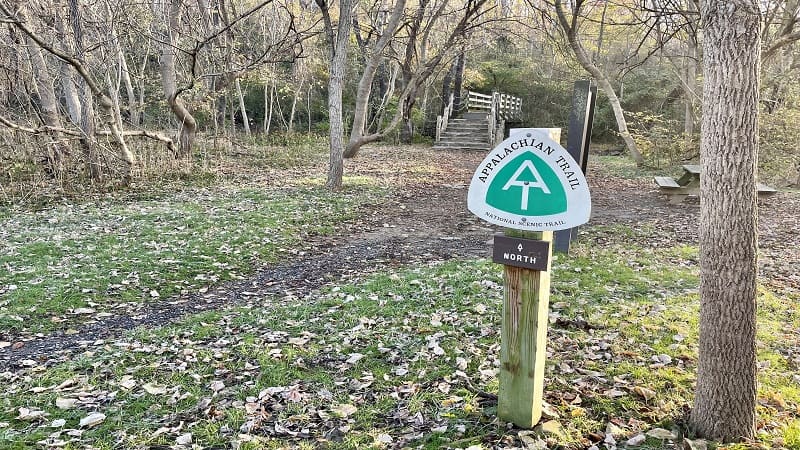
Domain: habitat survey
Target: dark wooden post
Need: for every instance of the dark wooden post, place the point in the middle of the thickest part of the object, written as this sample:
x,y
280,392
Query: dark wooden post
x,y
579,136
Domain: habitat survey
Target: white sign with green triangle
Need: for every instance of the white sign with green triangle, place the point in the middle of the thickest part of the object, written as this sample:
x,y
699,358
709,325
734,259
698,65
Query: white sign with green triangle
x,y
530,182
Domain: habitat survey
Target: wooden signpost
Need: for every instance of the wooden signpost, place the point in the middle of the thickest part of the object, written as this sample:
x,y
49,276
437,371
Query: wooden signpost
x,y
532,186
579,137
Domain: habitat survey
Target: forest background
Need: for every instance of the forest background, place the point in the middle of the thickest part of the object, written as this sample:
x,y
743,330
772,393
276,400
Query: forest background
x,y
105,92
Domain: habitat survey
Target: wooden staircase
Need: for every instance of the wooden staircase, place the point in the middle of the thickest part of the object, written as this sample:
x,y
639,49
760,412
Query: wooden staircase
x,y
470,132
479,128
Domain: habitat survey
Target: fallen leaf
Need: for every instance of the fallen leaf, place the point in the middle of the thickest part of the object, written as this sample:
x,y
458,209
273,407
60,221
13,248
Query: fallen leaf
x,y
92,420
66,403
29,414
154,389
660,433
614,393
344,410
647,394
127,382
354,358
636,440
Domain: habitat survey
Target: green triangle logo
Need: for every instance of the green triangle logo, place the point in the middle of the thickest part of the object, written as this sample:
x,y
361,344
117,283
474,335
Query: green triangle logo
x,y
527,186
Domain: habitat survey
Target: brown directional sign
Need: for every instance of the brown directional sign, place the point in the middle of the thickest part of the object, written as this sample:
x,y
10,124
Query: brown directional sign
x,y
518,252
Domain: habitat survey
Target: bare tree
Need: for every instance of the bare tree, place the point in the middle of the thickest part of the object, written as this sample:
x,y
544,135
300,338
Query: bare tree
x,y
337,40
418,66
569,19
725,396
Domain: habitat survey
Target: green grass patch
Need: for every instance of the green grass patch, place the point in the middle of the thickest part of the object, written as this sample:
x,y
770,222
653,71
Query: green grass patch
x,y
398,359
74,261
623,166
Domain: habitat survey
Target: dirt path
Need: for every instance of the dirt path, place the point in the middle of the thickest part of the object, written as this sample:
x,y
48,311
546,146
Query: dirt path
x,y
426,220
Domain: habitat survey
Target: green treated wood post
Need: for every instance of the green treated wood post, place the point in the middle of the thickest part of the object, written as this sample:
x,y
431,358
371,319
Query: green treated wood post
x,y
524,339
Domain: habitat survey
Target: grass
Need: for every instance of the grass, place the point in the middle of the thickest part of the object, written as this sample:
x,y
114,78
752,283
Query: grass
x,y
77,260
624,167
397,359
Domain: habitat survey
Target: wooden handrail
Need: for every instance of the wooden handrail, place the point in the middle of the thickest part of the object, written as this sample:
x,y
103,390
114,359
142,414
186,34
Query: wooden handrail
x,y
443,120
499,107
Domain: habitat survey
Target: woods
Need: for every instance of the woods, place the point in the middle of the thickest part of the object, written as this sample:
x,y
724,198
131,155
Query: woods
x,y
205,140
107,79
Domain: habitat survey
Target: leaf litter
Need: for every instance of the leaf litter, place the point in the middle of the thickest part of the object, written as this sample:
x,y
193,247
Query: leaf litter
x,y
397,359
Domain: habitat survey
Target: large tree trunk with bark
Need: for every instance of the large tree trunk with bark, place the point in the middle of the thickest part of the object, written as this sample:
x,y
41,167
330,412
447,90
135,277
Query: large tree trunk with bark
x,y
338,58
571,30
725,396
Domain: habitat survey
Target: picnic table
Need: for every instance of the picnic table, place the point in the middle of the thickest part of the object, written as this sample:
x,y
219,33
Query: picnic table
x,y
689,184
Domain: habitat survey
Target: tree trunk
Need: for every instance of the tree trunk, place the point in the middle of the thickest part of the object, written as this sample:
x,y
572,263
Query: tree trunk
x,y
338,58
447,88
68,87
293,111
188,124
407,131
133,109
268,115
70,91
54,151
691,80
308,105
571,30
267,107
242,108
725,396
370,67
458,81
88,141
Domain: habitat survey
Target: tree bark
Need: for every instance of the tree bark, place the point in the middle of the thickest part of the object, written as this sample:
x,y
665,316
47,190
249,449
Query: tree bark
x,y
370,67
571,30
725,396
447,88
338,63
68,87
458,81
242,108
188,124
691,78
54,151
88,141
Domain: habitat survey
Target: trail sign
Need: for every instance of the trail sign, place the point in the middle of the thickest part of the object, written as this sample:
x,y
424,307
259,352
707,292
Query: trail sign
x,y
529,182
518,252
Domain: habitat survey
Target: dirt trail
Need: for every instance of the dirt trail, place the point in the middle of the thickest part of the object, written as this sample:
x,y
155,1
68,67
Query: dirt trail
x,y
426,220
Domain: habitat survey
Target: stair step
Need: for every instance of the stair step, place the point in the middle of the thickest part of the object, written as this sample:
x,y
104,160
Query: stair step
x,y
448,147
467,128
462,144
449,133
